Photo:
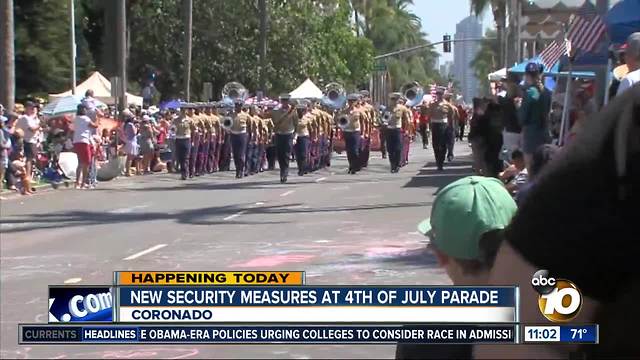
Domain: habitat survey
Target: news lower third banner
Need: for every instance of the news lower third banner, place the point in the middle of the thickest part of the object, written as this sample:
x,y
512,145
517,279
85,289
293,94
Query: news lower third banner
x,y
269,334
316,304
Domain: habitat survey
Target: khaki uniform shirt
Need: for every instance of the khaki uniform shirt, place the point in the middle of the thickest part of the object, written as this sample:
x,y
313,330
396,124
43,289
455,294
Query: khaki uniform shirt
x,y
441,112
354,115
240,123
183,127
304,125
284,121
267,129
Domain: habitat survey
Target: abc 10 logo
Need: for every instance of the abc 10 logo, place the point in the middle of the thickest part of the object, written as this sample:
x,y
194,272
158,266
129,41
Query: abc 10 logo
x,y
559,300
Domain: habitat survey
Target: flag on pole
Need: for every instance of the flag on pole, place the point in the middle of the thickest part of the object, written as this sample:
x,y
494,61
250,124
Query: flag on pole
x,y
586,28
553,52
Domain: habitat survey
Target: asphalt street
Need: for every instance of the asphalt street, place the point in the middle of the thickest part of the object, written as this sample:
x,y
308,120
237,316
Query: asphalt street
x,y
339,228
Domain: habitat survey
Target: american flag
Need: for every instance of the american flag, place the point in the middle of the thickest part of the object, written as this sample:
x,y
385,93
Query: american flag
x,y
587,28
553,52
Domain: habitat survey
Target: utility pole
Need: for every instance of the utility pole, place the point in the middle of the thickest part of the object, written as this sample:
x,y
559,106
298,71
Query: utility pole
x,y
188,23
72,18
7,60
121,52
262,5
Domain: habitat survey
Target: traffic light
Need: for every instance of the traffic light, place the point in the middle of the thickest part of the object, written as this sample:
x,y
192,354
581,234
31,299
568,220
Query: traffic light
x,y
446,43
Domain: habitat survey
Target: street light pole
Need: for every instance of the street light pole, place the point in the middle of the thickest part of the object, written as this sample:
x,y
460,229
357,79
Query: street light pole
x,y
262,5
72,17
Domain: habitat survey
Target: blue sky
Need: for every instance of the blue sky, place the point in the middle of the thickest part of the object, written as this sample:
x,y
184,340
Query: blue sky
x,y
440,17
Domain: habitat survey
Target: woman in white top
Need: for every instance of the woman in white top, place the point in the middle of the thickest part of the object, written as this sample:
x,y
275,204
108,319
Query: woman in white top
x,y
82,130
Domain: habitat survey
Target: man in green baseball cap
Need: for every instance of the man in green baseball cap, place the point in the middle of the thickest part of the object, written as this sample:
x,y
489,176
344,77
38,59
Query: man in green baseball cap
x,y
465,227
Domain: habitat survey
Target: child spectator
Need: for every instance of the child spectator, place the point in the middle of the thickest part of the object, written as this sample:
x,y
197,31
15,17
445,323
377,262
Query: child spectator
x,y
465,232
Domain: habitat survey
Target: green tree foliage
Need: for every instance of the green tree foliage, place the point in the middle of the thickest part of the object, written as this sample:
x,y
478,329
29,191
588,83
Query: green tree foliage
x,y
306,38
486,60
43,50
390,26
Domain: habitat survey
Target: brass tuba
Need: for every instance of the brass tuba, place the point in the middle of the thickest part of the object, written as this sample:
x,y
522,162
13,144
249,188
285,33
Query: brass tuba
x,y
233,91
413,92
334,96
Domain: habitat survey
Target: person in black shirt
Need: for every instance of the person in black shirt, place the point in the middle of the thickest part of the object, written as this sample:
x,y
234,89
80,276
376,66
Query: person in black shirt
x,y
582,227
511,135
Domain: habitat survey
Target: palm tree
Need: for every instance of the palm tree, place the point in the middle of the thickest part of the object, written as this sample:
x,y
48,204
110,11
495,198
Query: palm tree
x,y
486,60
499,10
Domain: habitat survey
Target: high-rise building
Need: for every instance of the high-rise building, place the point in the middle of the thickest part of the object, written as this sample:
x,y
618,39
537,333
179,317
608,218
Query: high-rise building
x,y
446,69
463,54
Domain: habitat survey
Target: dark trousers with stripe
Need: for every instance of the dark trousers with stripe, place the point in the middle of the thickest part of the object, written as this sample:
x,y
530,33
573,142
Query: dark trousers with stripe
x,y
382,134
283,152
212,158
394,147
183,150
439,141
271,157
302,152
364,152
195,149
239,150
203,154
451,140
352,146
225,153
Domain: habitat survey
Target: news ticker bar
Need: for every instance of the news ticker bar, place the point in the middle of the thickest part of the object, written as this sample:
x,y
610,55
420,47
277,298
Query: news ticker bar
x,y
269,334
308,334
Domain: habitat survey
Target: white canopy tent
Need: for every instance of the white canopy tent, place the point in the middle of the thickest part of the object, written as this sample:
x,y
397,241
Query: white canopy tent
x,y
306,90
498,75
101,90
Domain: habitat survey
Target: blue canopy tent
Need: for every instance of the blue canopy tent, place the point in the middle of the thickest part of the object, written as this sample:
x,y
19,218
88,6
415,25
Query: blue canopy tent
x,y
171,104
623,19
554,71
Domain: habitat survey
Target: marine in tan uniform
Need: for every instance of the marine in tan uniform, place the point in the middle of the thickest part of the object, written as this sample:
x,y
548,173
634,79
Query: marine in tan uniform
x,y
370,117
269,144
441,114
284,121
452,127
183,125
399,120
305,129
353,120
239,138
214,125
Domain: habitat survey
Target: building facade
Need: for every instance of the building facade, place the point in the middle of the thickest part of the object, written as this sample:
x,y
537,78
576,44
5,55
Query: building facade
x,y
463,54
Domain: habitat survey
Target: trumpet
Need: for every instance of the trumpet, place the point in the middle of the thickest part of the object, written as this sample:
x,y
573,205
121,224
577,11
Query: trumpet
x,y
227,122
342,121
386,117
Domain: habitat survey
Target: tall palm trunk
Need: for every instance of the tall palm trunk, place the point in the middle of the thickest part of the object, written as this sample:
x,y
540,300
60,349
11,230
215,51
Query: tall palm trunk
x,y
7,60
188,23
499,9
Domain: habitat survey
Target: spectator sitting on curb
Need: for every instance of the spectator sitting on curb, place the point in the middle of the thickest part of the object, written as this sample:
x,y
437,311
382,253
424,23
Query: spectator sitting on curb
x,y
465,230
515,176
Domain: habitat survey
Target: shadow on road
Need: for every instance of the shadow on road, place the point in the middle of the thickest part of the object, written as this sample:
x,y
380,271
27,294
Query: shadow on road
x,y
429,176
202,216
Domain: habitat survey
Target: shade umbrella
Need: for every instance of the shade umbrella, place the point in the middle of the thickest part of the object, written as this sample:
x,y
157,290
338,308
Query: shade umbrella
x,y
623,19
66,105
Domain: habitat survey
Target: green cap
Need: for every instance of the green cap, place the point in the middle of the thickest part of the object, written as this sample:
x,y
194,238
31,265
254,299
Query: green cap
x,y
465,210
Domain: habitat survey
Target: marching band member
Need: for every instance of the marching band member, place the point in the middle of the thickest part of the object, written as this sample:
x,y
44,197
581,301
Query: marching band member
x,y
382,133
408,131
303,132
316,151
254,140
369,116
195,139
239,138
270,146
330,133
399,120
284,121
440,115
183,125
203,156
224,144
452,126
214,148
352,132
